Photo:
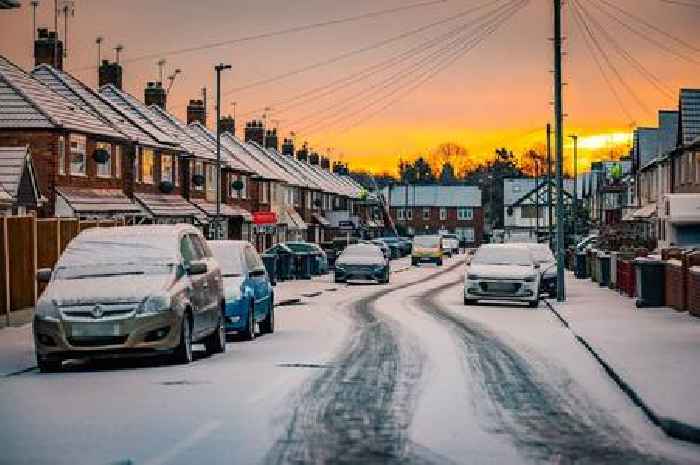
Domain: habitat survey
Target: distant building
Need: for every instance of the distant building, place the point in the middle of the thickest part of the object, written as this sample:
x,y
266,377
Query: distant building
x,y
431,209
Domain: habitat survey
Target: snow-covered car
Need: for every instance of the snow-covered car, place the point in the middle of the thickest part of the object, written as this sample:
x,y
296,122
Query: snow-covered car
x,y
548,267
450,244
134,290
427,249
248,294
502,272
364,262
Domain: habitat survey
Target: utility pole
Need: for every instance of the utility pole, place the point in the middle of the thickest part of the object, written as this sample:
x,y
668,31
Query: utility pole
x,y
575,202
537,198
559,143
550,223
219,68
35,5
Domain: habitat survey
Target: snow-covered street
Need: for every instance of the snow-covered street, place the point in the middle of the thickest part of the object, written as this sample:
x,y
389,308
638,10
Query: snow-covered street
x,y
360,374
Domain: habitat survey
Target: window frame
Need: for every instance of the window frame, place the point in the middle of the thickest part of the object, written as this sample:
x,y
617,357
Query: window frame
x,y
61,155
210,170
426,213
108,164
443,214
137,165
118,154
198,169
465,214
148,154
169,171
78,137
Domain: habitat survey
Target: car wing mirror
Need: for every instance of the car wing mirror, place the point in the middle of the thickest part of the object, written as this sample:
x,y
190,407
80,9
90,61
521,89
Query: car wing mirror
x,y
197,267
43,275
537,266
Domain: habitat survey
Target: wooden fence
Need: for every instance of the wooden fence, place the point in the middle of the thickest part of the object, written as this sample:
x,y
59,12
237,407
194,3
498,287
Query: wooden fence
x,y
28,244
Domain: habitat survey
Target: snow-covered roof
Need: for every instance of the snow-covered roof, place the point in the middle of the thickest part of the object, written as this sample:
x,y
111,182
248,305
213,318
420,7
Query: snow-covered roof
x,y
515,189
29,104
87,201
434,196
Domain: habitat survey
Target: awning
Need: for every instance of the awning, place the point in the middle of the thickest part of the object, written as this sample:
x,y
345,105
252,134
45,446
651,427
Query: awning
x,y
645,212
320,219
265,218
295,221
98,201
170,206
231,211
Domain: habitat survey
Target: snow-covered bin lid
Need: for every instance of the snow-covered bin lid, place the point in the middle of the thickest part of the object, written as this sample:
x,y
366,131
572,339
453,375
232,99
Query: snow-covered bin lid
x,y
695,270
674,262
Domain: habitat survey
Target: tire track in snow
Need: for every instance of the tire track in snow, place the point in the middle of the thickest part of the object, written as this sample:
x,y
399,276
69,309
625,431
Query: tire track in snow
x,y
546,423
359,412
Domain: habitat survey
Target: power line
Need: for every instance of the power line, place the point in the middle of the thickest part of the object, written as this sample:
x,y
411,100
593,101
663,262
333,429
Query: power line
x,y
601,68
648,75
405,72
680,3
267,35
434,71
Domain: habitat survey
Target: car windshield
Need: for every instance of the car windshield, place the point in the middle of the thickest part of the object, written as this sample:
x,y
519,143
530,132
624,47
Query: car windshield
x,y
356,251
299,246
541,253
427,242
500,255
229,257
106,256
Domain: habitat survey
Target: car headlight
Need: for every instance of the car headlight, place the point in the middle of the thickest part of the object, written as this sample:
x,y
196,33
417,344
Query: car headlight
x,y
156,303
47,310
473,277
531,278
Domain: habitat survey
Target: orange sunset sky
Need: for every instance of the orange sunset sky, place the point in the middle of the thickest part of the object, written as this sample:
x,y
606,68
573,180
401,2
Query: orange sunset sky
x,y
497,94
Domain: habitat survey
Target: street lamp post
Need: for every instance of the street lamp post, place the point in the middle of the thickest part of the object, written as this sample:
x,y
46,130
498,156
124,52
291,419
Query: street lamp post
x,y
219,68
575,202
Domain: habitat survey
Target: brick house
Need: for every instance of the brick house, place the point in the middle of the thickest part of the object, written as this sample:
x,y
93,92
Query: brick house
x,y
73,150
432,209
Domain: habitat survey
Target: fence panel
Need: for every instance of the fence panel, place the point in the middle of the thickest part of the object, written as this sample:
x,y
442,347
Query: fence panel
x,y
21,234
4,271
47,245
69,229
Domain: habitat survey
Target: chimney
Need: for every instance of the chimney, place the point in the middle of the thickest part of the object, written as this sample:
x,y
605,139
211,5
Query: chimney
x,y
325,163
339,168
271,141
44,49
255,132
288,147
314,158
196,112
154,94
227,124
110,73
303,153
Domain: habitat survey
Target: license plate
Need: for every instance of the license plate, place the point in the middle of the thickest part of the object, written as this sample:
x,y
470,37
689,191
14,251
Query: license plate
x,y
501,287
94,329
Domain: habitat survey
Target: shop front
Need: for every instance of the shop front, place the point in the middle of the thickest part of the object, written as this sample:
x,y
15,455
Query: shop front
x,y
265,230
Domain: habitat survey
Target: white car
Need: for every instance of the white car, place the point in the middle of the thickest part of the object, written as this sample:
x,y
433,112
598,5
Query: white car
x,y
502,272
548,267
450,244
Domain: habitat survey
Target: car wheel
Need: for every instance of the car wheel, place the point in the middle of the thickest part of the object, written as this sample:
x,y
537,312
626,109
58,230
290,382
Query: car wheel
x,y
533,303
414,262
49,365
439,262
183,351
267,326
339,280
215,343
248,332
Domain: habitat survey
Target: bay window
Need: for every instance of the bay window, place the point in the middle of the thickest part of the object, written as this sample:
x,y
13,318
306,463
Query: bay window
x,y
77,154
166,168
147,162
104,169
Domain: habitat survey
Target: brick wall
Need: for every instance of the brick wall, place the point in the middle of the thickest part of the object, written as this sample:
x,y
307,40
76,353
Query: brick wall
x,y
694,291
434,223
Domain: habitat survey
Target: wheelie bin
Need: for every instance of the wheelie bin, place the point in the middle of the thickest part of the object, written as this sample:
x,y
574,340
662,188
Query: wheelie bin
x,y
302,262
604,266
650,285
285,264
315,258
580,270
270,261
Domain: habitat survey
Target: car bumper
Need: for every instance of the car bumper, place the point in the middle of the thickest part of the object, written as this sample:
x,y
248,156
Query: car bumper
x,y
426,257
516,291
236,314
360,274
137,335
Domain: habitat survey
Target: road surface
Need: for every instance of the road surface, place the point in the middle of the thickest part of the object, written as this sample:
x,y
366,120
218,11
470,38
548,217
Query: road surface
x,y
362,374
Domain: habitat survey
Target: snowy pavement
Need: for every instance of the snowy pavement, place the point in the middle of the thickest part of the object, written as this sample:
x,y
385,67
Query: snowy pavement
x,y
655,352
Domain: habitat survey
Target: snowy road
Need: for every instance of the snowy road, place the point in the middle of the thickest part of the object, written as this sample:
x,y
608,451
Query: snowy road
x,y
365,374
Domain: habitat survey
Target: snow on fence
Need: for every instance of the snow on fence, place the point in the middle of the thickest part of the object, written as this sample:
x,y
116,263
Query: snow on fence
x,y
28,244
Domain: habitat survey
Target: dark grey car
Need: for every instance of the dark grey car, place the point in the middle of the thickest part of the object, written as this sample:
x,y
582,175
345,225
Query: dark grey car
x,y
135,290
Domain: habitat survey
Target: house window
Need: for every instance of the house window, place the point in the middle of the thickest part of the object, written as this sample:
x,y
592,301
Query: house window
x,y
443,214
264,194
166,168
118,161
465,214
426,213
147,161
77,154
244,191
198,171
104,170
465,234
211,177
409,213
176,171
137,164
61,155
400,214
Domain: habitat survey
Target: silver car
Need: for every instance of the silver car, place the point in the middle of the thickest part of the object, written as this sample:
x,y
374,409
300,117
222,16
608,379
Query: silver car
x,y
136,290
502,272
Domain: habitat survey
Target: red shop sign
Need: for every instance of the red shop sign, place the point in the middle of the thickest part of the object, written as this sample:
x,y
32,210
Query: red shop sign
x,y
264,218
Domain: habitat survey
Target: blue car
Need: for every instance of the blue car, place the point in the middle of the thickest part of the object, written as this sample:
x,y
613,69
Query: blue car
x,y
248,294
